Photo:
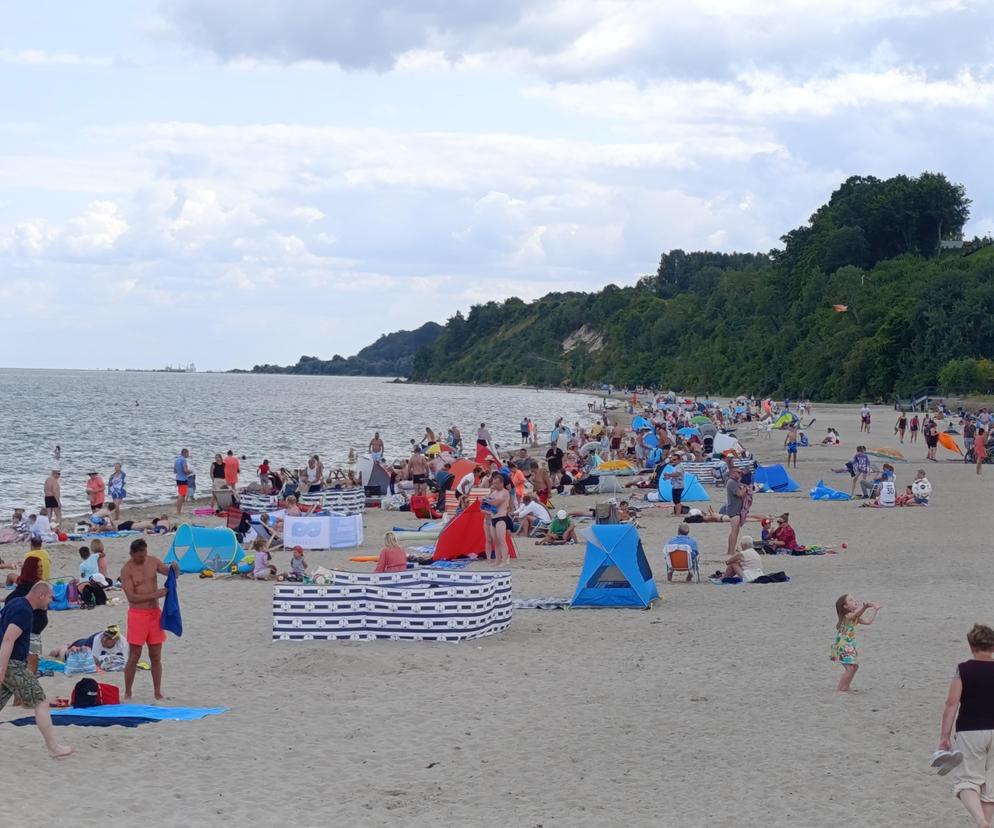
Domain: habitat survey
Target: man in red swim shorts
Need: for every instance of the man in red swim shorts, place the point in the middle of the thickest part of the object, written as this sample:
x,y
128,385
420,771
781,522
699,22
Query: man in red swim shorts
x,y
140,582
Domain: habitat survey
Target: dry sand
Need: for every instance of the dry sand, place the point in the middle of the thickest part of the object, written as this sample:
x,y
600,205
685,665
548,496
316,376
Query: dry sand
x,y
716,708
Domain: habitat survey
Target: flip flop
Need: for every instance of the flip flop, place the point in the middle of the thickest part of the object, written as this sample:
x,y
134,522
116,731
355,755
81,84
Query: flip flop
x,y
945,760
144,665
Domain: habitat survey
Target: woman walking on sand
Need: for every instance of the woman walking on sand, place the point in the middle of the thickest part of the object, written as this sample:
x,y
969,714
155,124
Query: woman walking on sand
x,y
970,706
980,448
914,429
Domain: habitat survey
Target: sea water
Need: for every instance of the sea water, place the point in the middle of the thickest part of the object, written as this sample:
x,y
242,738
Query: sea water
x,y
143,419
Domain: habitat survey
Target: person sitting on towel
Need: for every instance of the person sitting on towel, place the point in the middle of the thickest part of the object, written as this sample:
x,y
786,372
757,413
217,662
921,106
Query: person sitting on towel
x,y
782,537
105,518
744,563
531,515
393,557
561,530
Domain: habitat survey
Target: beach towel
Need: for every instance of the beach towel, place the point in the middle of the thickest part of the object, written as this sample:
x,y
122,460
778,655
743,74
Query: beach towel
x,y
450,564
550,603
772,578
123,533
124,715
171,619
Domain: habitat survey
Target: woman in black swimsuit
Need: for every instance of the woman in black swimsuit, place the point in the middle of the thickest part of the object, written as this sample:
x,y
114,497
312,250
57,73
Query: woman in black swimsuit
x,y
217,478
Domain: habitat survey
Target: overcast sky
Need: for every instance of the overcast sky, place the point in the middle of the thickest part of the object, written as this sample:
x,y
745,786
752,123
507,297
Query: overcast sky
x,y
239,181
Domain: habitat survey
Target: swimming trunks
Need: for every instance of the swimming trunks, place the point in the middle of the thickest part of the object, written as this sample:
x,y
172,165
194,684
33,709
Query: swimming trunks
x,y
418,479
792,448
677,495
182,488
51,502
505,519
144,626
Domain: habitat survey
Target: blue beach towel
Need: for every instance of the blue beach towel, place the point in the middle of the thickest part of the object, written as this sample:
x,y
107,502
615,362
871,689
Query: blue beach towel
x,y
171,619
124,715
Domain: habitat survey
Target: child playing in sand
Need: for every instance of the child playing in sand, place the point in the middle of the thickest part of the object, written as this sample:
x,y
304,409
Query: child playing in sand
x,y
298,566
261,568
851,612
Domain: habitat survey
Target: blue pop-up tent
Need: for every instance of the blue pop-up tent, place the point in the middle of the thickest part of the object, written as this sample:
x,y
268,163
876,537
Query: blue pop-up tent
x,y
197,548
692,488
775,479
650,440
615,572
641,424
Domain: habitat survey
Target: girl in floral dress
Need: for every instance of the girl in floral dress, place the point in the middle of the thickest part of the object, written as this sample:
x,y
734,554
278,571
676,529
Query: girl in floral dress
x,y
851,612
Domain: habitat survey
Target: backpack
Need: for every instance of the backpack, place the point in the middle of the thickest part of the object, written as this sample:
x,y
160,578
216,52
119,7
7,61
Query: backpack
x,y
94,595
86,693
90,693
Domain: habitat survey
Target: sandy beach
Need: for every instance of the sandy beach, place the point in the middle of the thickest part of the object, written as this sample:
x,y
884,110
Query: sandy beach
x,y
716,708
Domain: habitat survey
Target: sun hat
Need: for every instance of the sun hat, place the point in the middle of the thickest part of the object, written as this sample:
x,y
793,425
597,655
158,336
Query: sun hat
x,y
561,514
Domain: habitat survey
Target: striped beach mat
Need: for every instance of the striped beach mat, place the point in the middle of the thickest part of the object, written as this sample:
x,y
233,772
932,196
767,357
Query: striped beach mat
x,y
415,605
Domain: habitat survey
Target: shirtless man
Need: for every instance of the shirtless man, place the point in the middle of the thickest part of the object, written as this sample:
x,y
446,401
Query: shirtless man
x,y
417,471
499,522
53,497
141,587
376,447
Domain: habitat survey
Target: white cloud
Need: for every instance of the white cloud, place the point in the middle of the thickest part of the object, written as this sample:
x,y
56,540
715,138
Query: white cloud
x,y
37,57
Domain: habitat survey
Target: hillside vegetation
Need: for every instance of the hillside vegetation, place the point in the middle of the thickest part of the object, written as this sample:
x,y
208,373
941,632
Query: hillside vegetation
x,y
765,323
392,355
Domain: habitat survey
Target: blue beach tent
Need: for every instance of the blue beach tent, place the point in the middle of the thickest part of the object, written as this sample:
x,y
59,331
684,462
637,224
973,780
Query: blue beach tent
x,y
692,488
196,548
641,424
687,431
650,440
615,572
775,479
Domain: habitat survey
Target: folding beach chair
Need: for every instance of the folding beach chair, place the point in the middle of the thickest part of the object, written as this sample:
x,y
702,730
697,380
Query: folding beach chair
x,y
225,499
680,558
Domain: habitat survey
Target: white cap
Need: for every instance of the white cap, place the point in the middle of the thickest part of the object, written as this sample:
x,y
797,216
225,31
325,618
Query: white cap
x,y
561,514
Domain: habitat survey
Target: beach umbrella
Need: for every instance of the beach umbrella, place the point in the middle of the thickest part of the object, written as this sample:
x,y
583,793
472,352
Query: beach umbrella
x,y
436,448
688,432
699,419
641,424
650,440
725,442
614,467
587,448
948,442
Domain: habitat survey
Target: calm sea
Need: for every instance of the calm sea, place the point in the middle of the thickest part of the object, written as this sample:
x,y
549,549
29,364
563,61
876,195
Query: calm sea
x,y
143,419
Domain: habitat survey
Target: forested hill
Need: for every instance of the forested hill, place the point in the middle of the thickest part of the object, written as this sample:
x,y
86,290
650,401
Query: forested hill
x,y
392,355
909,313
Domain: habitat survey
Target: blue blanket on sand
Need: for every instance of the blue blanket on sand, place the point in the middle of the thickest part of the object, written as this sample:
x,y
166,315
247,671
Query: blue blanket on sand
x,y
123,715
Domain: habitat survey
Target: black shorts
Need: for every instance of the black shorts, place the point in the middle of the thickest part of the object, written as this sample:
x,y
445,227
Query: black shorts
x,y
506,519
418,479
51,502
677,495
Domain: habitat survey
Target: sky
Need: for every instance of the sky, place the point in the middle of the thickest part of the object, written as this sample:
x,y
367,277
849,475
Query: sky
x,y
232,182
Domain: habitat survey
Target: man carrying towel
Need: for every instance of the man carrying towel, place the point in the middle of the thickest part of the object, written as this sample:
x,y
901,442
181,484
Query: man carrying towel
x,y
15,678
141,586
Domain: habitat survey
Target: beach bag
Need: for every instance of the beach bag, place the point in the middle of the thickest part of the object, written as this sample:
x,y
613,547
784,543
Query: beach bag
x,y
80,660
60,597
86,693
108,693
72,593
